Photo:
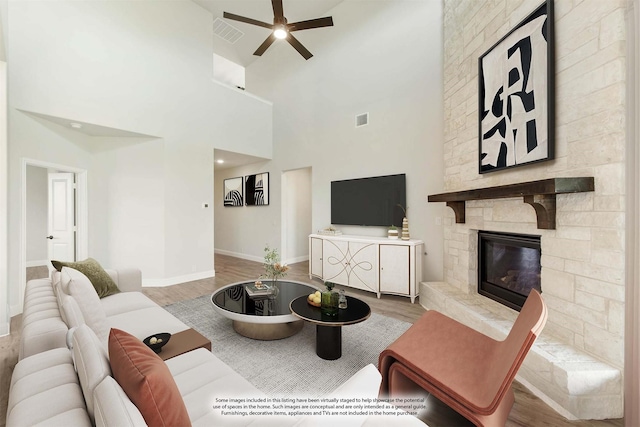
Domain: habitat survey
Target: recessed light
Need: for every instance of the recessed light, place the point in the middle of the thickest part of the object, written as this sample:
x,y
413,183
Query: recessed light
x,y
75,125
220,161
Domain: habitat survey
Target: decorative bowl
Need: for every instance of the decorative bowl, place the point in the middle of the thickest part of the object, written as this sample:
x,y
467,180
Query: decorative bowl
x,y
157,341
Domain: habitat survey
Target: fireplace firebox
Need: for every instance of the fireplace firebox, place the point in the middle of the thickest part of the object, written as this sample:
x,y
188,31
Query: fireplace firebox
x,y
508,267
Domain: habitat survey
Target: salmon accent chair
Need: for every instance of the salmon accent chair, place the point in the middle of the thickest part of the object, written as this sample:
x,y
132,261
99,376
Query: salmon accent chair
x,y
468,371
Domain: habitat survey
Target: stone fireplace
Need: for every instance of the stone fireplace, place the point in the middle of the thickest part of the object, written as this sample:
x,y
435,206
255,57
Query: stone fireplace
x,y
508,267
575,365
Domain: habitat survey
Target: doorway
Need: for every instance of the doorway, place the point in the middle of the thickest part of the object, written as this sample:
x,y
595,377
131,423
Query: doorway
x,y
53,218
296,215
50,216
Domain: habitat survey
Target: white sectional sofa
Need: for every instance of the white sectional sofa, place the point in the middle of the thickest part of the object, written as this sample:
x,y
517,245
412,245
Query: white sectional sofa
x,y
64,375
43,326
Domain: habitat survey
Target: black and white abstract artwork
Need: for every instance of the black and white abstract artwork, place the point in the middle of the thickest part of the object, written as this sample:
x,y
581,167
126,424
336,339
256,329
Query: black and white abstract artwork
x,y
233,192
257,187
516,94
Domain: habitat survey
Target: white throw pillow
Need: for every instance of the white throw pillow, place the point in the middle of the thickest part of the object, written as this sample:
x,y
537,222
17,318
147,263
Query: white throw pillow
x,y
70,311
61,281
112,407
91,361
81,289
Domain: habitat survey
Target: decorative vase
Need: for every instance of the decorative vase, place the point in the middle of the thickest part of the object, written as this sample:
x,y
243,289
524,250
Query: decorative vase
x,y
275,290
329,301
405,228
342,300
392,233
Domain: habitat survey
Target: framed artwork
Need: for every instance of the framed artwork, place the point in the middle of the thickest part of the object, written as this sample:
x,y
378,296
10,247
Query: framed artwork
x,y
257,187
233,192
516,95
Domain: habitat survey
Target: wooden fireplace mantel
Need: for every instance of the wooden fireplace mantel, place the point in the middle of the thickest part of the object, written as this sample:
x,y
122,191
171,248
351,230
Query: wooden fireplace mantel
x,y
539,194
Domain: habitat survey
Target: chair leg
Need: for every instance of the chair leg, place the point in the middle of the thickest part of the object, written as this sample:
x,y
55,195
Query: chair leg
x,y
401,383
499,417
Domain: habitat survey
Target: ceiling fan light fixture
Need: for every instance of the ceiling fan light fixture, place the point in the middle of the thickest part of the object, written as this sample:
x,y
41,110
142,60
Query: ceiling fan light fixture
x,y
281,29
280,32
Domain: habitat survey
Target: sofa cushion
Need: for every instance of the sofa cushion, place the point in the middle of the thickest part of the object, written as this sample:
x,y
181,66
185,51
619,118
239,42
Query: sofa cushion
x,y
85,295
112,407
146,380
156,319
125,302
70,311
91,361
44,389
42,325
101,281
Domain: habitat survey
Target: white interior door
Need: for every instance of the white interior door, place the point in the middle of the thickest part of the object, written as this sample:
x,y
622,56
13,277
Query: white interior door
x,y
61,217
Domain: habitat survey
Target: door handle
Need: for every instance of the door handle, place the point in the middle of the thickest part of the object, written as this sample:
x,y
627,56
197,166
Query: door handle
x,y
50,237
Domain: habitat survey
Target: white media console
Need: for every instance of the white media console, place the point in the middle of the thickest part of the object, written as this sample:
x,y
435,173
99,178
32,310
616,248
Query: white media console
x,y
375,264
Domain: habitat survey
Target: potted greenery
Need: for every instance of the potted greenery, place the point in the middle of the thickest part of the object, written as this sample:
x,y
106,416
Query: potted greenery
x,y
392,232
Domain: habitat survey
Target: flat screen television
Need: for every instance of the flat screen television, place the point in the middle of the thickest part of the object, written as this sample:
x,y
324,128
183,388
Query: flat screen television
x,y
369,201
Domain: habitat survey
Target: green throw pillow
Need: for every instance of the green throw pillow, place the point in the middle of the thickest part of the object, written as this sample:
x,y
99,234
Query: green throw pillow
x,y
100,279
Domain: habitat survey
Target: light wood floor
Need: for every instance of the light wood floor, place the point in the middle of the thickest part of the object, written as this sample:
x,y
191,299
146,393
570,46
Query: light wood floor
x,y
528,411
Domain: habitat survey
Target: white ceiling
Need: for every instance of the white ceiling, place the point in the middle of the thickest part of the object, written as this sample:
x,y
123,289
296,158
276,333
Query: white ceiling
x,y
232,160
241,52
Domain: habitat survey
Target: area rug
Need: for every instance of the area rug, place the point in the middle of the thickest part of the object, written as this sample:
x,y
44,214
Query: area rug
x,y
290,367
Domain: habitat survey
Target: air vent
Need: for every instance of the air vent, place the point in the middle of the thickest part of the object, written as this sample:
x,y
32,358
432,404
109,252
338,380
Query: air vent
x,y
226,31
362,119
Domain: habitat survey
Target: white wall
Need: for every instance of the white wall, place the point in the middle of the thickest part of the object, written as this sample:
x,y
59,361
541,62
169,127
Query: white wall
x,y
144,67
382,57
37,211
245,230
4,287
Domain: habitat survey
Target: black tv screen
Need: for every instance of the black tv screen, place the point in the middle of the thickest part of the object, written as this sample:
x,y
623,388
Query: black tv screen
x,y
369,201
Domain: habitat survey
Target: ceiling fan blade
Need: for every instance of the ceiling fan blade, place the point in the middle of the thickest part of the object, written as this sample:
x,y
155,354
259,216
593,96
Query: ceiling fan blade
x,y
298,46
312,23
265,45
278,12
247,20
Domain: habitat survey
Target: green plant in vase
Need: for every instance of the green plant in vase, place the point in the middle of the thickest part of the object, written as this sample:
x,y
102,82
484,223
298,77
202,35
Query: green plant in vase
x,y
273,268
329,300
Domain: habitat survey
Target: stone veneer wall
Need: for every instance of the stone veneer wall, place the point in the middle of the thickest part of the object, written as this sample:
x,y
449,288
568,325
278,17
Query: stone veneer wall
x,y
583,259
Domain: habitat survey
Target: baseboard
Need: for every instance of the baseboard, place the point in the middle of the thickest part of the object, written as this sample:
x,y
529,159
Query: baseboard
x,y
297,259
257,258
14,310
169,281
37,263
239,255
4,328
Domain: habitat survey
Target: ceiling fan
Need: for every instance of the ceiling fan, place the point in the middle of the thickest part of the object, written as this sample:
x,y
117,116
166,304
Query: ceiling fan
x,y
282,30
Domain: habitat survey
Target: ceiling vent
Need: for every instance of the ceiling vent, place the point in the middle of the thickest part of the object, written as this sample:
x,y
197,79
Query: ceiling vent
x,y
226,31
362,119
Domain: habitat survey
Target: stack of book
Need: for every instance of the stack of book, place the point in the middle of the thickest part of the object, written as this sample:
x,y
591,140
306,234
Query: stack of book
x,y
258,289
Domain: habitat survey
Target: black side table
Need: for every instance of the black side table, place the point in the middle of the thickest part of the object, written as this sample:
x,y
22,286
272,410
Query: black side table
x,y
329,328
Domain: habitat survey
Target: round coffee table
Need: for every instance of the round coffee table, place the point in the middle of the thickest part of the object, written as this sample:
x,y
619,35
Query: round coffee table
x,y
329,328
262,317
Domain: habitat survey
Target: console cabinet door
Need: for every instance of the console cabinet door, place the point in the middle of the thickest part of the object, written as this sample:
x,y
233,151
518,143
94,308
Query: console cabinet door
x,y
353,264
362,266
315,263
395,269
334,261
